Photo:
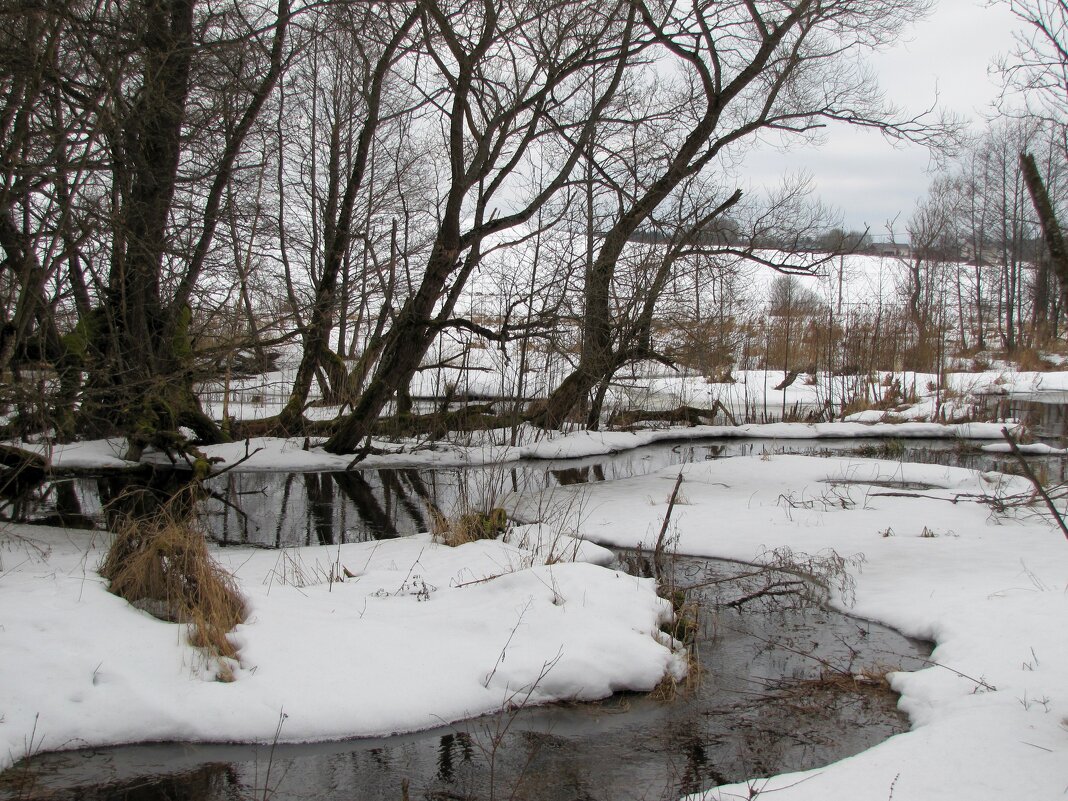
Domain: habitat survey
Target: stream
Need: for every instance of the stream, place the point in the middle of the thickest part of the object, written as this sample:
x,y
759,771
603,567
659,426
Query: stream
x,y
773,693
774,688
276,510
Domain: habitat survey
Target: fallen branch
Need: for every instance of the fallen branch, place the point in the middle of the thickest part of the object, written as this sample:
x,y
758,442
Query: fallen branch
x,y
774,589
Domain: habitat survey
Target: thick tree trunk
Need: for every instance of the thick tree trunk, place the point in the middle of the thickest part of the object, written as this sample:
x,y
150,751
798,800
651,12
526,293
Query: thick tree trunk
x,y
1051,229
143,376
403,348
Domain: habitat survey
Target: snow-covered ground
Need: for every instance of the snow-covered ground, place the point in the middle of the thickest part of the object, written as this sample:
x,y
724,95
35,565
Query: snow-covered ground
x,y
858,285
750,394
419,639
422,635
490,447
990,719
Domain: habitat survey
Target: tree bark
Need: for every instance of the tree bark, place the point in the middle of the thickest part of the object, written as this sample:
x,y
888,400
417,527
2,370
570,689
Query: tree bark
x,y
1047,218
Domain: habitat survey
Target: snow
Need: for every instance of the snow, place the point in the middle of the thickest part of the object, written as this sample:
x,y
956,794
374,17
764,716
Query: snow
x,y
280,454
1033,448
262,454
99,454
424,634
990,716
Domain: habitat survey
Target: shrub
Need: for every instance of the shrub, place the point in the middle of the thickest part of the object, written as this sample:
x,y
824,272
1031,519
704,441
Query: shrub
x,y
468,526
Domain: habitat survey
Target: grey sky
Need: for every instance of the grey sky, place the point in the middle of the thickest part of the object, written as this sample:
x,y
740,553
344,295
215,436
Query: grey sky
x,y
948,56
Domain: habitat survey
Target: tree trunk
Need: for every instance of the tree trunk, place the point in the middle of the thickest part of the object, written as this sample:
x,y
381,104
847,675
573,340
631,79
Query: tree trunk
x,y
403,348
1051,229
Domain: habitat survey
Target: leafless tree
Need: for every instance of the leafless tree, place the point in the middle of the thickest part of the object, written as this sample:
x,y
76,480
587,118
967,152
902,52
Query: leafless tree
x,y
157,101
507,79
737,70
1037,67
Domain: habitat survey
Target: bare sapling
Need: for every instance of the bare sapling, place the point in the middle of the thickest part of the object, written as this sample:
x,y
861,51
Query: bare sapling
x,y
1029,474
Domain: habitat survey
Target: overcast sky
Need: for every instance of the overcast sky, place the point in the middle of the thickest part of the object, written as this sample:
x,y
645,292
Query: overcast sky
x,y
869,180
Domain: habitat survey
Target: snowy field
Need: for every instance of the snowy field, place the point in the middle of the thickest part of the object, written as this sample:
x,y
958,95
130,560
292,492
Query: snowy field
x,y
423,634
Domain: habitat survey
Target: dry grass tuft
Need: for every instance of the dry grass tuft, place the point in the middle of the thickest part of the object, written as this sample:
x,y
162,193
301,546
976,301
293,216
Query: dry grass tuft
x,y
161,564
813,695
671,687
1030,360
467,527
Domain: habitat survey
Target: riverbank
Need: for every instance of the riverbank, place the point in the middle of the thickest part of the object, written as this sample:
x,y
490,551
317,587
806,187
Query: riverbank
x,y
492,447
927,549
346,641
940,553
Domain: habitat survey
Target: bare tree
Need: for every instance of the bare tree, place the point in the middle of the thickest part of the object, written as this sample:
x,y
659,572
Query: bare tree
x,y
161,98
1037,71
1037,67
934,245
390,26
742,69
508,79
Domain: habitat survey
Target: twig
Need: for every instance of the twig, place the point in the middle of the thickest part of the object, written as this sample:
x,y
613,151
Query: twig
x,y
1030,475
954,499
504,650
242,460
274,744
658,552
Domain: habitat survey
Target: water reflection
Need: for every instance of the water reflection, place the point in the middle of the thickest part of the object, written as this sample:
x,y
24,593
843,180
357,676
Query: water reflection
x,y
330,508
287,509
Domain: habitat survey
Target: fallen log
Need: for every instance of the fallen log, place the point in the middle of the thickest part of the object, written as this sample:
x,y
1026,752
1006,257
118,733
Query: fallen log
x,y
690,415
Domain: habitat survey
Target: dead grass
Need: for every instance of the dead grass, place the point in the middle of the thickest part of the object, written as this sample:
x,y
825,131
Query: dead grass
x,y
811,695
161,564
857,403
1031,360
669,687
468,526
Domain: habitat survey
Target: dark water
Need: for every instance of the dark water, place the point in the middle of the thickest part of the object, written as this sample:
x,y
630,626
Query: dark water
x,y
1043,413
285,509
774,692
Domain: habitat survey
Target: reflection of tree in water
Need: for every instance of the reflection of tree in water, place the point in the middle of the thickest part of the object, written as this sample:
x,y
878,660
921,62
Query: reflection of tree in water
x,y
571,475
214,781
320,508
454,747
376,520
695,774
286,491
139,496
23,498
394,480
218,781
539,764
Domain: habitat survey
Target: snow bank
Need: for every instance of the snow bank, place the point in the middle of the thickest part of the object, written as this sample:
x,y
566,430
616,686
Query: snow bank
x,y
990,719
423,635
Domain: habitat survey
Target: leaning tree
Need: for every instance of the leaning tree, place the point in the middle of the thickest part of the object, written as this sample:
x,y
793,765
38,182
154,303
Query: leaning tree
x,y
733,72
508,81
